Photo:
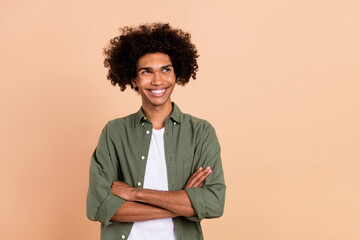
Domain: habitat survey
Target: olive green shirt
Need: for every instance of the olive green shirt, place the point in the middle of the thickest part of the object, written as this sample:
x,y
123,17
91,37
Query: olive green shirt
x,y
121,155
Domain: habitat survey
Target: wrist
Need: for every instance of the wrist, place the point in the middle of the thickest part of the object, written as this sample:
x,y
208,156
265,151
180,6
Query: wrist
x,y
134,194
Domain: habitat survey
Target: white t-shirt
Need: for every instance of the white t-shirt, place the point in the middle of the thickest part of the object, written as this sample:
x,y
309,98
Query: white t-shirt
x,y
155,178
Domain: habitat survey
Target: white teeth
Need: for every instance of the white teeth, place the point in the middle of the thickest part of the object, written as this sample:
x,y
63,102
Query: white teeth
x,y
158,91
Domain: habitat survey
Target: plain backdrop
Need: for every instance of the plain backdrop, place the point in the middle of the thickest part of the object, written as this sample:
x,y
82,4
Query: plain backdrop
x,y
279,81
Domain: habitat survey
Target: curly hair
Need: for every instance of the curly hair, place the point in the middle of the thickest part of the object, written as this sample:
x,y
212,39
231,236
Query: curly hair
x,y
124,51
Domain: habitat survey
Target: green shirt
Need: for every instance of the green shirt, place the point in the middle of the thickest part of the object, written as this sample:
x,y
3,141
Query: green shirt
x,y
121,155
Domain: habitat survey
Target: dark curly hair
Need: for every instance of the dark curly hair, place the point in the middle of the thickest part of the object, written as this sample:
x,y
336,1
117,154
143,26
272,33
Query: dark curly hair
x,y
124,51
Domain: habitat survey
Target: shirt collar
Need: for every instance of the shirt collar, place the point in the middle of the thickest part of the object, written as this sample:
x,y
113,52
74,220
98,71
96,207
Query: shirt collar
x,y
175,115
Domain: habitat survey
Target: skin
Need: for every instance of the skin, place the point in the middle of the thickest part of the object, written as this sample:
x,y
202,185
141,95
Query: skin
x,y
155,72
135,212
153,204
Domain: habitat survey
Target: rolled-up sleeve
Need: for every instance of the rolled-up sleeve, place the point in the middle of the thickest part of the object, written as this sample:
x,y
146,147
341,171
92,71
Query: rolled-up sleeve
x,y
209,200
101,204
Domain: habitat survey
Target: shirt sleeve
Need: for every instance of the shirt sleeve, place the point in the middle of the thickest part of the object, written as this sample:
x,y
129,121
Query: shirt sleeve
x,y
209,200
101,204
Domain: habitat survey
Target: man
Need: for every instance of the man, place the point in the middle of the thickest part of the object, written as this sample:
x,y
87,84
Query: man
x,y
155,173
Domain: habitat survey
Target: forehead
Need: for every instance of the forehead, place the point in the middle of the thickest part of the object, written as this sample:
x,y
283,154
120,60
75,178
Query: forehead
x,y
154,60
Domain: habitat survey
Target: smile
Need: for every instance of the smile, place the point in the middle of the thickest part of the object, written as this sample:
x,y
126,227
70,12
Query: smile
x,y
157,92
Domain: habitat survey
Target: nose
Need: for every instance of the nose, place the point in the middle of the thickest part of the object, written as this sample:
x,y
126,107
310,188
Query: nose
x,y
157,79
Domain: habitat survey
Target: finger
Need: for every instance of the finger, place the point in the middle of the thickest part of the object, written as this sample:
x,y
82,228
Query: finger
x,y
203,182
200,174
199,181
195,180
191,179
194,174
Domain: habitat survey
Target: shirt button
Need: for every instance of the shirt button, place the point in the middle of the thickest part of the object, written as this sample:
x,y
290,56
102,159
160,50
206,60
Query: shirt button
x,y
174,123
142,157
142,125
144,118
139,183
147,132
123,236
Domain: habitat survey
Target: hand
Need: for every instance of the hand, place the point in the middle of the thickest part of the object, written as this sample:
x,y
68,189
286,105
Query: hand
x,y
198,178
123,190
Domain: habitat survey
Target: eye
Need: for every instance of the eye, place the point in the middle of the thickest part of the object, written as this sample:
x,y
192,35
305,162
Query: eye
x,y
167,70
146,72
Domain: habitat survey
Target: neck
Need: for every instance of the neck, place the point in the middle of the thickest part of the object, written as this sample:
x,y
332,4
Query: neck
x,y
157,114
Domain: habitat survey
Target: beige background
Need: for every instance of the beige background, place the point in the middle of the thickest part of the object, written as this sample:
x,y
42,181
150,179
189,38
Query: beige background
x,y
279,80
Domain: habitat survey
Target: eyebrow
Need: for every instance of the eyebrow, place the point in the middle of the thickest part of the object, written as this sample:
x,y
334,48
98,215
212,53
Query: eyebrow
x,y
149,68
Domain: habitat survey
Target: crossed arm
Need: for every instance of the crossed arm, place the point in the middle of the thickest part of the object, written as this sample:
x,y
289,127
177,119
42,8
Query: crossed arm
x,y
145,204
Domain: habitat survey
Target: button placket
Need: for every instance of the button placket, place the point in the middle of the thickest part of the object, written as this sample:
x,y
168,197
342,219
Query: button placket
x,y
170,158
146,137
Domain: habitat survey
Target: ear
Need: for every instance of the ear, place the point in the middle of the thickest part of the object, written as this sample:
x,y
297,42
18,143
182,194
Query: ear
x,y
133,82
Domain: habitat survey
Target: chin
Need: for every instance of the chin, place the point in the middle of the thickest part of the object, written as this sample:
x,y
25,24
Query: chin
x,y
159,102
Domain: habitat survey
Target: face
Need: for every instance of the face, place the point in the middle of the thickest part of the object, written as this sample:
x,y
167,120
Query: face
x,y
155,79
